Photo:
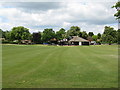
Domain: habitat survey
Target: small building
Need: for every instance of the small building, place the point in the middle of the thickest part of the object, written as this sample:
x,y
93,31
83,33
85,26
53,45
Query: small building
x,y
53,41
2,39
63,42
26,41
78,41
99,41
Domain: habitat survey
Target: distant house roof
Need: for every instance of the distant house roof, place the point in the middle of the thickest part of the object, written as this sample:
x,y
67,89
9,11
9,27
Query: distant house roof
x,y
78,39
26,41
2,39
63,40
53,39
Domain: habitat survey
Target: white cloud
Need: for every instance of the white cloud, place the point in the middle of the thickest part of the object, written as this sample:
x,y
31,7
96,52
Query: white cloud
x,y
90,16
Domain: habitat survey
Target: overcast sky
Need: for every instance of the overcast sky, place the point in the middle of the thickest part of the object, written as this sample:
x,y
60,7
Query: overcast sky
x,y
89,16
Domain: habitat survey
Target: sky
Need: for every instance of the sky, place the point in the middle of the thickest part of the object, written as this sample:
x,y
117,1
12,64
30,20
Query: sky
x,y
90,16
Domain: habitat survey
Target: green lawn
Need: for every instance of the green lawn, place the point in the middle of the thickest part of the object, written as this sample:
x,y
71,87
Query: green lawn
x,y
35,66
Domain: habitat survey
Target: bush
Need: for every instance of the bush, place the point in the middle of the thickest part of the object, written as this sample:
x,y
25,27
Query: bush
x,y
12,42
9,42
5,42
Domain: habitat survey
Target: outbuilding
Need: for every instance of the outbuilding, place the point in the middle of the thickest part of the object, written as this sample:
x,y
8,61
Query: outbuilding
x,y
26,41
78,41
63,42
53,41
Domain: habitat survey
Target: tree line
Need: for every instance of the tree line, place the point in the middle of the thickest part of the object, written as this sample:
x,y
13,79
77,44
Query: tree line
x,y
110,35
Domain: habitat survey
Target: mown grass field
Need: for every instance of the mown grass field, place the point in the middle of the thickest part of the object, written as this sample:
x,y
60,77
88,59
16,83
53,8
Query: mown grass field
x,y
35,66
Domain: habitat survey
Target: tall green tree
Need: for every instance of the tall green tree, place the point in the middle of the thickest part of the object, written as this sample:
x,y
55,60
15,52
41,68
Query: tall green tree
x,y
84,35
109,35
60,34
117,15
95,37
99,35
80,34
47,35
36,37
90,34
20,33
7,35
73,31
117,6
1,33
118,36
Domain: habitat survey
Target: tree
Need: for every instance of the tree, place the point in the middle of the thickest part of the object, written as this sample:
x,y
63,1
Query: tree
x,y
95,37
117,15
117,6
20,33
47,35
118,36
104,38
109,39
84,35
73,31
109,35
7,35
60,34
90,34
1,33
36,37
90,38
80,34
99,35
108,30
